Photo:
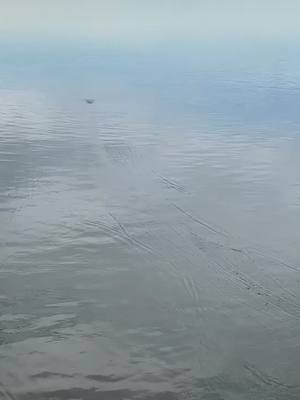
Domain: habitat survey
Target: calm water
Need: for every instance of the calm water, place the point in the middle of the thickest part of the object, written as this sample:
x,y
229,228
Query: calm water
x,y
150,241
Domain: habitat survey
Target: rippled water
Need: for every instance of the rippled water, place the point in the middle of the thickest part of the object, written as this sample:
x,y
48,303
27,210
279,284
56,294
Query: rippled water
x,y
150,241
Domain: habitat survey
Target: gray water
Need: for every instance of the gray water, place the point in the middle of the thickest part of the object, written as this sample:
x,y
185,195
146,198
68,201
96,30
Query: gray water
x,y
150,241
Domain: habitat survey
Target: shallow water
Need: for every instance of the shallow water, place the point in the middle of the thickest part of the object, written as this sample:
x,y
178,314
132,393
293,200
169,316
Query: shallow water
x,y
150,241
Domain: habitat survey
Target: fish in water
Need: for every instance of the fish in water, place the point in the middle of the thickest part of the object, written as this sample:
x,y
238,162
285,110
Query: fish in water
x,y
90,101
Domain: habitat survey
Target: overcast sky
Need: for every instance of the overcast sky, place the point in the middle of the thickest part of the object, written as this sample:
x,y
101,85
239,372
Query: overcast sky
x,y
150,19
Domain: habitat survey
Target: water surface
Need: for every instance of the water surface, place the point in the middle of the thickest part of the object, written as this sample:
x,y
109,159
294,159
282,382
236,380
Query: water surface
x,y
150,241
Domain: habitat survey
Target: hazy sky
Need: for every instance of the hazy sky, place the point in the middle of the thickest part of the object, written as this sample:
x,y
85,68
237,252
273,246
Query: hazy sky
x,y
149,19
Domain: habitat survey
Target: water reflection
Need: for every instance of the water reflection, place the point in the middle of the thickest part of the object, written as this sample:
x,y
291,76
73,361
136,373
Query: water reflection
x,y
149,242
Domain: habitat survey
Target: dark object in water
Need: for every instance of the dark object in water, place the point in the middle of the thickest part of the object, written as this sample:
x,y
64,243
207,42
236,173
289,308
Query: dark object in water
x,y
90,101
